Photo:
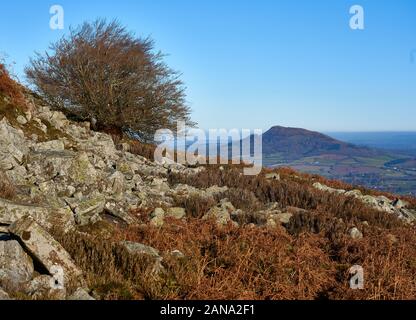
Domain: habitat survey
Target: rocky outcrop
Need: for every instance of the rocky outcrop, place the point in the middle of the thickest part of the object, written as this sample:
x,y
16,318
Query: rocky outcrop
x,y
222,212
381,203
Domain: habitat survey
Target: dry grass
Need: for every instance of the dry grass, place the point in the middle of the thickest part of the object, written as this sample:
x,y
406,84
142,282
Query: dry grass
x,y
286,192
249,263
310,259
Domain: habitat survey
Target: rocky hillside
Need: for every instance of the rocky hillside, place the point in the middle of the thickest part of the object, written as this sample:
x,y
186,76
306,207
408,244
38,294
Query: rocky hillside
x,y
83,216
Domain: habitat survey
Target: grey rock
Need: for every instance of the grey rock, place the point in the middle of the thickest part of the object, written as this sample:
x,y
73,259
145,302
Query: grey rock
x,y
273,176
44,287
134,248
322,187
80,295
21,120
284,218
47,217
53,145
157,217
120,210
16,267
82,171
42,246
177,213
88,209
116,183
356,234
221,213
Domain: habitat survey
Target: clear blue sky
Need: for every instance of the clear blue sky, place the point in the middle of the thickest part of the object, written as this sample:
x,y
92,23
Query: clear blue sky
x,y
255,64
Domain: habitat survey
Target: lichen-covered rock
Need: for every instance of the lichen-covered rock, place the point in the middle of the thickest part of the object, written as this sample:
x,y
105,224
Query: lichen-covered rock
x,y
82,171
150,253
322,187
176,212
87,209
45,249
98,143
45,287
12,142
157,217
16,267
116,183
221,213
53,145
13,150
381,203
47,217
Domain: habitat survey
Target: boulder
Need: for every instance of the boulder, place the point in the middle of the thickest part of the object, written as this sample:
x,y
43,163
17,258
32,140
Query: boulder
x,y
87,209
284,218
12,142
53,145
21,120
116,183
82,171
273,176
177,213
400,204
44,287
157,217
221,213
215,191
98,143
356,234
325,188
45,249
119,210
80,295
160,185
16,267
47,217
150,253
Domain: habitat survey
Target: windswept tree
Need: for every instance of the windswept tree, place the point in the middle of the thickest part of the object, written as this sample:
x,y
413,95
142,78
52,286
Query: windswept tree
x,y
104,74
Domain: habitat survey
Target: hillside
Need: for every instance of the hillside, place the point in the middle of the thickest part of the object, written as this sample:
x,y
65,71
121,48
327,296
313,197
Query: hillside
x,y
315,153
296,143
85,215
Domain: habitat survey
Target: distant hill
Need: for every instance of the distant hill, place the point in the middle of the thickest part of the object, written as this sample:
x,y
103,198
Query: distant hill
x,y
296,143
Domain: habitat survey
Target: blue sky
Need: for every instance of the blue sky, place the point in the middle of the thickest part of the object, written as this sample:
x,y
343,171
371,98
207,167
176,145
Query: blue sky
x,y
255,64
